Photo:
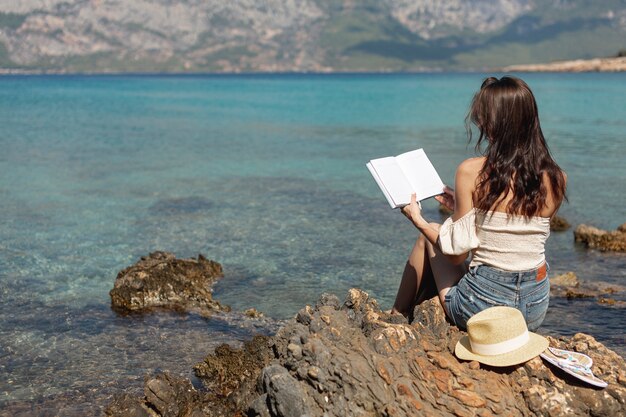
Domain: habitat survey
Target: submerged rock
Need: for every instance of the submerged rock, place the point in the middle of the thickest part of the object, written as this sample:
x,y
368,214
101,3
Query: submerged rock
x,y
611,302
164,395
253,313
160,280
568,280
569,286
559,224
600,239
352,359
230,375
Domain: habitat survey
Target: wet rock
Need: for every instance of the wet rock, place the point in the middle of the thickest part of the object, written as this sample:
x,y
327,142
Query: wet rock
x,y
230,375
354,361
253,313
611,302
126,405
603,240
568,285
170,396
165,395
574,294
568,279
160,280
559,224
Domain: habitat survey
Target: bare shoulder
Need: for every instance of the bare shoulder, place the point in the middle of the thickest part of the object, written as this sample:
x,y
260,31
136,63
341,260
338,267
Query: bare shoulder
x,y
470,168
467,174
473,163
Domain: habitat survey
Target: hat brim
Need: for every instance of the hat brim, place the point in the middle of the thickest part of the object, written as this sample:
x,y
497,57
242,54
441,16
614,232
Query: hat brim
x,y
535,345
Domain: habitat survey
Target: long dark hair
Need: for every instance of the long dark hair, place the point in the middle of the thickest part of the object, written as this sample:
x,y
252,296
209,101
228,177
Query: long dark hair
x,y
517,156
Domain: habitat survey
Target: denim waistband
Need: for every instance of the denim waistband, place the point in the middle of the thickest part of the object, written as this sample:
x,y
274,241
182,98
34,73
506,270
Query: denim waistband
x,y
507,276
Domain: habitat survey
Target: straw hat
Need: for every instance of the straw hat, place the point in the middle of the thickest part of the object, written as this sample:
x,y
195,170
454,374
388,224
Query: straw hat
x,y
498,336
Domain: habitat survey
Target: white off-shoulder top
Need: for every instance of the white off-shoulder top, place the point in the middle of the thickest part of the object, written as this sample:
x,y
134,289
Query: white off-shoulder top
x,y
506,242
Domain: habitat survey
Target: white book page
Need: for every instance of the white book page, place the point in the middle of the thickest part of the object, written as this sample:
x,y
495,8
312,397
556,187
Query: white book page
x,y
420,173
393,179
380,184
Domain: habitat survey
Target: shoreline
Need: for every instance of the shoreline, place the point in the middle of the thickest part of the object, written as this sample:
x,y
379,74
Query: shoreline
x,y
350,358
19,71
613,64
610,64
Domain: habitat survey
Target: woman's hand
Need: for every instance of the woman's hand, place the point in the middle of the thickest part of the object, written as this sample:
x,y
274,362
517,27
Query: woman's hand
x,y
447,198
413,211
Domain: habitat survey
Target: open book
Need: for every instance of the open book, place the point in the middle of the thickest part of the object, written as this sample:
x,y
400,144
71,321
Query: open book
x,y
400,176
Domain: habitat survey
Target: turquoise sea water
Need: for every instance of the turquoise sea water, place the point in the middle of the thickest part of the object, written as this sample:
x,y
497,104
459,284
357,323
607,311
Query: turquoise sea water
x,y
264,174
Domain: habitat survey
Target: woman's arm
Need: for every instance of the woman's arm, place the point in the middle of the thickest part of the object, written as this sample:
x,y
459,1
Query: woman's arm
x,y
465,180
413,212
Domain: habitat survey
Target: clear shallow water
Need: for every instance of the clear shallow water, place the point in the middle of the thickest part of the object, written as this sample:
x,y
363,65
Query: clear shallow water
x,y
264,174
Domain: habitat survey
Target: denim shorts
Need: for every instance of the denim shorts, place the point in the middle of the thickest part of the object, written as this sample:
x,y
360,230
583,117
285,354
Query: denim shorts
x,y
483,287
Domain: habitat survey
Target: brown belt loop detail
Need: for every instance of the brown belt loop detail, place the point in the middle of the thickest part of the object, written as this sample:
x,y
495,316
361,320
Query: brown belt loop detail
x,y
542,272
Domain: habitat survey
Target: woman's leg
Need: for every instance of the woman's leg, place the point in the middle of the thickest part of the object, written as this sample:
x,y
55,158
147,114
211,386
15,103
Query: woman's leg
x,y
417,280
446,274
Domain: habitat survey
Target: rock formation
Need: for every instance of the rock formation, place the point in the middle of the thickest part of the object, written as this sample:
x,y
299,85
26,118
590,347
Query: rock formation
x,y
230,375
350,358
603,240
569,286
160,280
559,224
164,395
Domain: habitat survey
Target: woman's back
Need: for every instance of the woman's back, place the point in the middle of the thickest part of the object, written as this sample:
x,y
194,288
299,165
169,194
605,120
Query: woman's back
x,y
473,169
510,242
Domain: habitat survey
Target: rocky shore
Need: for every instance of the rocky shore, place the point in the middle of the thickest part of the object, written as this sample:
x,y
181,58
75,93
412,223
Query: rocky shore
x,y
613,64
349,358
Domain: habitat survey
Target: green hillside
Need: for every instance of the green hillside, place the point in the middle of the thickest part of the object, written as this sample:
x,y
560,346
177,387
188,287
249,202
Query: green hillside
x,y
370,39
310,35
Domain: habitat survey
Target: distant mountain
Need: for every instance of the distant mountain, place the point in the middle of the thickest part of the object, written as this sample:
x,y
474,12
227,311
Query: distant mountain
x,y
303,35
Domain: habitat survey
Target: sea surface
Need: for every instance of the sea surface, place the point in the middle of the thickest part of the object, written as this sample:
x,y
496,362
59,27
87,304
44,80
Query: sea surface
x,y
264,174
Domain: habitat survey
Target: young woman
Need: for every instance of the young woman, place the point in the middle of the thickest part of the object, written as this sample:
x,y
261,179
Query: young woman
x,y
502,203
